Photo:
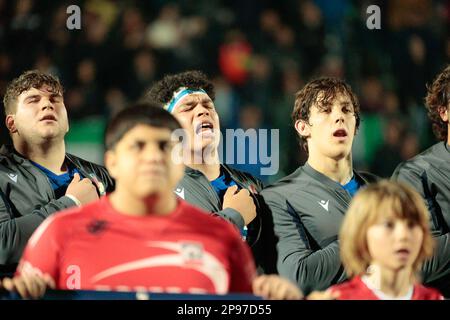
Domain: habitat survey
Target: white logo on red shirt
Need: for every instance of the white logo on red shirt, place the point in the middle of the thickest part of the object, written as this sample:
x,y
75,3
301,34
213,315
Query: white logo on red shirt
x,y
186,255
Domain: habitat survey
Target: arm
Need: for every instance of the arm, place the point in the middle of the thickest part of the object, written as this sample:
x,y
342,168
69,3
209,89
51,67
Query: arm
x,y
298,260
107,181
438,267
15,232
38,267
419,181
232,216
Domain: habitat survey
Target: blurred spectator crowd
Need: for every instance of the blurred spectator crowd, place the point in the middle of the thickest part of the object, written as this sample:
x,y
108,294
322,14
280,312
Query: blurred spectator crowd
x,y
258,52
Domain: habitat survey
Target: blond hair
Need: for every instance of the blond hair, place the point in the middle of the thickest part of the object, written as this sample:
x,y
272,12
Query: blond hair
x,y
378,199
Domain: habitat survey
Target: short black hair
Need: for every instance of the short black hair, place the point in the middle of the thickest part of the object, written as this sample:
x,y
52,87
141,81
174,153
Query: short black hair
x,y
147,113
162,91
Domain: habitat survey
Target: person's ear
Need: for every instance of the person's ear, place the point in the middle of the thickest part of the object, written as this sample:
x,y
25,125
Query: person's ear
x,y
443,112
303,128
111,162
10,123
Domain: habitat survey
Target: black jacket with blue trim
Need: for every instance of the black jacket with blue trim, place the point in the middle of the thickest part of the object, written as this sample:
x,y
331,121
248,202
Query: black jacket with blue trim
x,y
196,189
308,209
27,198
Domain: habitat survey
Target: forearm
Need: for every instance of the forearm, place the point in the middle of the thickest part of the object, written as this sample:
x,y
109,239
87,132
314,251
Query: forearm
x,y
313,270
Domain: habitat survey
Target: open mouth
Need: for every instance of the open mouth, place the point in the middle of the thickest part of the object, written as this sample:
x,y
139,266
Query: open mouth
x,y
340,133
204,127
48,117
402,252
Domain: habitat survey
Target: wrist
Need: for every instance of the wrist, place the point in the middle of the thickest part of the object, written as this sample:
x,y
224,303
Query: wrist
x,y
74,199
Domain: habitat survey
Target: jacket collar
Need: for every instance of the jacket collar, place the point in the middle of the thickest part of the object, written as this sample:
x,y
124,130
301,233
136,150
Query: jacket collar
x,y
326,180
193,172
8,151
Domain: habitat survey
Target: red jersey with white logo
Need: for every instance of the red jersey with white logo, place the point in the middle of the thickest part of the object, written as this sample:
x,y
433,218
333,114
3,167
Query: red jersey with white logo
x,y
97,248
356,289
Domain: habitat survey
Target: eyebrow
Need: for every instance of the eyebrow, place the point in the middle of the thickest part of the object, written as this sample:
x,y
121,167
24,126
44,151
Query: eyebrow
x,y
52,95
32,97
203,100
140,140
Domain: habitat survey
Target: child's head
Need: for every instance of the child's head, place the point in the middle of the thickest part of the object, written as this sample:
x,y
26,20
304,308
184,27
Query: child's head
x,y
386,225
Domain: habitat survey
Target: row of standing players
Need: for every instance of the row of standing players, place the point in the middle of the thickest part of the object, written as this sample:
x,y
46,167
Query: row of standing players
x,y
292,227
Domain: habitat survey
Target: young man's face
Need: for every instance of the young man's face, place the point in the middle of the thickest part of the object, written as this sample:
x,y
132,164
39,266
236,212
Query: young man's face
x,y
331,128
40,115
142,164
197,114
394,243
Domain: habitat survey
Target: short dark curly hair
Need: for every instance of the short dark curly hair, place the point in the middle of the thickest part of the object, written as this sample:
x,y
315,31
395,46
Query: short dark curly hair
x,y
437,99
27,80
162,91
307,97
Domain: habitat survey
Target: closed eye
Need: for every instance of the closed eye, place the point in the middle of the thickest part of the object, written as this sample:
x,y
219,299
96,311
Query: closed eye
x,y
346,110
33,99
325,110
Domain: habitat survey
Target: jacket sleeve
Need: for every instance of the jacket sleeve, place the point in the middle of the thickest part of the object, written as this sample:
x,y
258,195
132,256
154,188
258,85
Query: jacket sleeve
x,y
419,181
311,268
15,232
231,216
437,268
105,178
409,175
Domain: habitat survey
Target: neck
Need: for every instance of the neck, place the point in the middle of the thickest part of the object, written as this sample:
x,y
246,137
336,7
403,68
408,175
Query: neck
x,y
157,204
391,282
208,165
49,154
339,170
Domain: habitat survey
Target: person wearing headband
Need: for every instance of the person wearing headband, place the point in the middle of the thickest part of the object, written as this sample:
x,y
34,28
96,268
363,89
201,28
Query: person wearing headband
x,y
209,184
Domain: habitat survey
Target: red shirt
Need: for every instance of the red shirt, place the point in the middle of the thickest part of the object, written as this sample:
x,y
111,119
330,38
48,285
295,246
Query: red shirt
x,y
97,248
356,289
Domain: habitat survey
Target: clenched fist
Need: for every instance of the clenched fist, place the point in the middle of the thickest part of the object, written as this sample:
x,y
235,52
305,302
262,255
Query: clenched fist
x,y
241,201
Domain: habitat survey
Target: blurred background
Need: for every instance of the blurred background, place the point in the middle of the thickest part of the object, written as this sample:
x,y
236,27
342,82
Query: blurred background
x,y
258,53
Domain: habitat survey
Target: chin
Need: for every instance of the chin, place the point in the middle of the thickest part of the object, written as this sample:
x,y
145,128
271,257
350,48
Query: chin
x,y
339,154
149,192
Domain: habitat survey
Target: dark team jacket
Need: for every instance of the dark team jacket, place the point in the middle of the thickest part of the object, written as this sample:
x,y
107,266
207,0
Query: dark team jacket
x,y
308,209
429,174
196,189
27,198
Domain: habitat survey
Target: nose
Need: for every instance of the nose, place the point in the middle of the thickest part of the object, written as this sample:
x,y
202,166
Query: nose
x,y
402,230
153,153
339,115
201,110
47,104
